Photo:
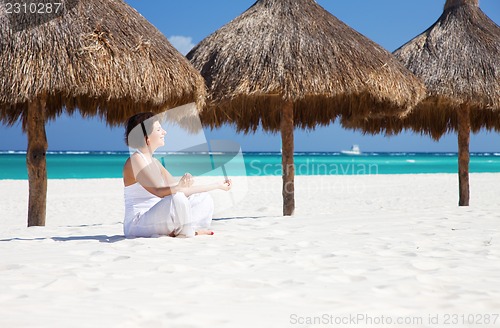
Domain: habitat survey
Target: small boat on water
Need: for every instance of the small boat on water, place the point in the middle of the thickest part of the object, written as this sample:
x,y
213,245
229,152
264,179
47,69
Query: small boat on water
x,y
354,151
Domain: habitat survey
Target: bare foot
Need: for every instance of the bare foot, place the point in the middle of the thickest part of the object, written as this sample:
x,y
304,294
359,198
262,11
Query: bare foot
x,y
203,232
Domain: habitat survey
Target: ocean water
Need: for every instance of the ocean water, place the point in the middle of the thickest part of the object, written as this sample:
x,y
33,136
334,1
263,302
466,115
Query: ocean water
x,y
84,165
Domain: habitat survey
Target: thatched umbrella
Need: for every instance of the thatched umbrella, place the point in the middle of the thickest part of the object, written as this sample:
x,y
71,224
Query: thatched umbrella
x,y
288,63
99,57
458,60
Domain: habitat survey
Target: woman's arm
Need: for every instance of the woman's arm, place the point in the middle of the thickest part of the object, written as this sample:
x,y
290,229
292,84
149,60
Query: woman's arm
x,y
188,191
149,177
167,177
151,184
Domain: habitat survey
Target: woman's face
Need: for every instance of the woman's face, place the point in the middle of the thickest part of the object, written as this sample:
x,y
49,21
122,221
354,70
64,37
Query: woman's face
x,y
157,138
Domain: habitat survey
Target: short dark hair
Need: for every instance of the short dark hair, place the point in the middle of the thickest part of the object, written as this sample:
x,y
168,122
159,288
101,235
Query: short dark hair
x,y
143,119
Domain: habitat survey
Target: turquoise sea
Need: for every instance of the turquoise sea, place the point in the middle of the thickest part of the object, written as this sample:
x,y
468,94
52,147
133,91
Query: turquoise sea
x,y
83,165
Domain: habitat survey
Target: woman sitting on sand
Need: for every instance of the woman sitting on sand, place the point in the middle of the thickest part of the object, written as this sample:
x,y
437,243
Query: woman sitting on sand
x,y
155,203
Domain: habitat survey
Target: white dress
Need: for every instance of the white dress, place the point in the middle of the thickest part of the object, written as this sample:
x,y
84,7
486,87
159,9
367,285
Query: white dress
x,y
147,215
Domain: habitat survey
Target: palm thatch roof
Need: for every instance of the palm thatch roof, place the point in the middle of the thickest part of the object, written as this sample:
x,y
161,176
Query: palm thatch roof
x,y
295,51
458,60
426,119
100,57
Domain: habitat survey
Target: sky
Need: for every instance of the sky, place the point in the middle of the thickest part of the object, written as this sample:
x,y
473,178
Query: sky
x,y
390,23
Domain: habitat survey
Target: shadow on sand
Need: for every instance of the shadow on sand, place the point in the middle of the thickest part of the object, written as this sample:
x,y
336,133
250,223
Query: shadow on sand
x,y
111,239
241,218
99,238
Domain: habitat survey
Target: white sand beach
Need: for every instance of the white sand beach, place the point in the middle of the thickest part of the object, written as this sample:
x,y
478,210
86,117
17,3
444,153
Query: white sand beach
x,y
361,251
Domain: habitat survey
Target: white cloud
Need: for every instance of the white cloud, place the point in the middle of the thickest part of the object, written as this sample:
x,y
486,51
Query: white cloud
x,y
182,43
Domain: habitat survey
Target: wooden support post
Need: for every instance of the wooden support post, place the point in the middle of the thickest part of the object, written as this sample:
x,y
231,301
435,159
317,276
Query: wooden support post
x,y
463,155
287,126
36,162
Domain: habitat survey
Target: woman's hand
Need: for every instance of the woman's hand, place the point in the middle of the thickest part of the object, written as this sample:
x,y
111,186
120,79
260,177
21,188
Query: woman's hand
x,y
226,185
186,181
182,186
